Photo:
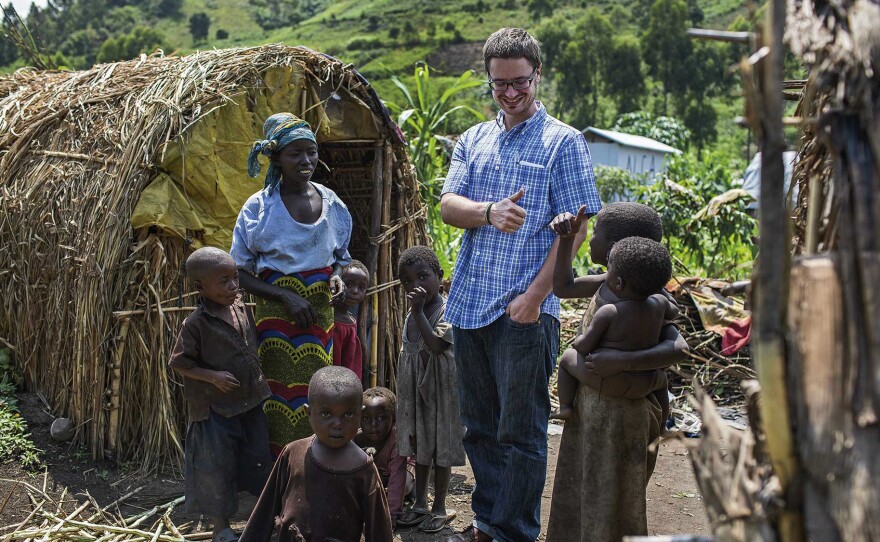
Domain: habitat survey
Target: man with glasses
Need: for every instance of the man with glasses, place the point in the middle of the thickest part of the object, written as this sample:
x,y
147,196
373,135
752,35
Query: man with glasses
x,y
509,177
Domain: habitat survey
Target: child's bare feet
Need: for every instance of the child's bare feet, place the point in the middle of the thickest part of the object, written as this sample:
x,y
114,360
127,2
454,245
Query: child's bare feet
x,y
564,412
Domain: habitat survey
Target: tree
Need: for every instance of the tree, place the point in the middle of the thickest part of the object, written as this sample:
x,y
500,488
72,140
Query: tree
x,y
410,36
619,17
539,9
624,81
141,39
166,8
199,24
582,66
122,20
695,13
664,129
82,46
708,79
278,13
553,33
8,50
666,47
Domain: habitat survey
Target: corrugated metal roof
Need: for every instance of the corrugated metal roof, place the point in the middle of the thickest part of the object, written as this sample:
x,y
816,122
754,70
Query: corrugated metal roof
x,y
630,140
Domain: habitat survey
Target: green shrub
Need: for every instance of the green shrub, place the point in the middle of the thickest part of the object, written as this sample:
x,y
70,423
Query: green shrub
x,y
364,44
615,184
15,440
705,223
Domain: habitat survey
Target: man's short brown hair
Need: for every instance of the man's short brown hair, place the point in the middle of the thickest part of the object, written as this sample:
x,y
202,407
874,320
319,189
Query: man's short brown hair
x,y
512,43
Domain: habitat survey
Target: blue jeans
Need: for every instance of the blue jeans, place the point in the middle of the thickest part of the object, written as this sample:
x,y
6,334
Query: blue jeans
x,y
503,375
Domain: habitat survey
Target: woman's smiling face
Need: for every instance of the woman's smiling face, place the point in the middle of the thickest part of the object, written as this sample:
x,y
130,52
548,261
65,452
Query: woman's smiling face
x,y
297,160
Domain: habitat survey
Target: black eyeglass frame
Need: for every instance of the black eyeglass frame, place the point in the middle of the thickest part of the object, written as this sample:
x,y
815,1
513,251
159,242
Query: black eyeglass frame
x,y
527,82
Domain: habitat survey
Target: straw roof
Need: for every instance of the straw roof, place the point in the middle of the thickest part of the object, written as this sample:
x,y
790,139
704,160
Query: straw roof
x,y
92,302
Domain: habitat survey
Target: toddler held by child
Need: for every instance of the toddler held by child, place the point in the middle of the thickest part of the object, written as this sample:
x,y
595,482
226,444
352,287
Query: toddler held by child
x,y
227,442
638,268
324,488
605,459
428,423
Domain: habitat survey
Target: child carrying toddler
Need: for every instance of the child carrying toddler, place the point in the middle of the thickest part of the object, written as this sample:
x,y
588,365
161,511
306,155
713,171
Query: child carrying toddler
x,y
638,268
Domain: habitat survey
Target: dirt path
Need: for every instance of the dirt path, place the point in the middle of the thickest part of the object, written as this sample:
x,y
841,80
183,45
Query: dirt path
x,y
674,503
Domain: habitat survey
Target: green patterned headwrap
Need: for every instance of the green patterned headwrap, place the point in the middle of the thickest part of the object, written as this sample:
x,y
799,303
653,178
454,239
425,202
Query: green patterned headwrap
x,y
279,129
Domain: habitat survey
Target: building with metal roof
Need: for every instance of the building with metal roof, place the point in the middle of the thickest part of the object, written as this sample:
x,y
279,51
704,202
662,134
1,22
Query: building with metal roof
x,y
637,154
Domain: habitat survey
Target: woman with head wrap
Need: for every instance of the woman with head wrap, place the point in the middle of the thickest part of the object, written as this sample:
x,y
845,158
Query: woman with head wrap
x,y
290,243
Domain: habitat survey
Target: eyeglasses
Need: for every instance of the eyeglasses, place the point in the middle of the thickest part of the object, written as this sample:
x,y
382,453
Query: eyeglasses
x,y
517,84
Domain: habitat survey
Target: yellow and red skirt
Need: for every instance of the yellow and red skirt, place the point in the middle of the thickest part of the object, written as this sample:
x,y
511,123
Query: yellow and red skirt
x,y
290,355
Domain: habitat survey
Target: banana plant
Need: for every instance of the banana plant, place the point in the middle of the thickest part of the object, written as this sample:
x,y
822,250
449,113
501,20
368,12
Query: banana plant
x,y
421,118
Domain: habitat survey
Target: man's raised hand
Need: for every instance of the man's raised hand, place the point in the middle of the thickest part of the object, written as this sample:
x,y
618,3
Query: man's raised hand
x,y
506,215
567,225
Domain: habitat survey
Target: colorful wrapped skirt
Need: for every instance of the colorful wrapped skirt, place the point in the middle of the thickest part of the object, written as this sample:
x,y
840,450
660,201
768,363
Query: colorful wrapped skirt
x,y
290,355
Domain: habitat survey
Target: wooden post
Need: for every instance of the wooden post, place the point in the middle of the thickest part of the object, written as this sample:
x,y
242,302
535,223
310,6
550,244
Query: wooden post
x,y
115,384
821,394
385,265
771,284
372,259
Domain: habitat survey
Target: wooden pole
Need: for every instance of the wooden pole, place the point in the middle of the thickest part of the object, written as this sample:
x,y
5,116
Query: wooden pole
x,y
371,263
771,283
721,35
385,265
115,384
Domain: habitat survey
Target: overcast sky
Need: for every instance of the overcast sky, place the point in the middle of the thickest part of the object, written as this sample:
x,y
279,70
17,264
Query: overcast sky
x,y
23,6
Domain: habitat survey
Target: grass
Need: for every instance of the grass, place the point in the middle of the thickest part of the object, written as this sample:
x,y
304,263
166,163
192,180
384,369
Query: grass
x,y
15,442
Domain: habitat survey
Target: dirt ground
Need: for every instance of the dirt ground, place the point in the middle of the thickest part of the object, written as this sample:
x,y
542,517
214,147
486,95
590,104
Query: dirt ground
x,y
674,503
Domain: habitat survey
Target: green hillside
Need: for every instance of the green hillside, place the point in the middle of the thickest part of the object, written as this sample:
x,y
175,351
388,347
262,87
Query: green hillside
x,y
600,55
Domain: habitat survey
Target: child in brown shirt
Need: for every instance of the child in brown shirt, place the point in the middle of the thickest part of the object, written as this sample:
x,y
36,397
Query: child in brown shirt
x,y
324,488
227,443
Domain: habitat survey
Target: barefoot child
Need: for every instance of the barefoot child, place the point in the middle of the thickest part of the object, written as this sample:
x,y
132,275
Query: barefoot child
x,y
379,432
324,488
347,351
428,425
638,268
227,443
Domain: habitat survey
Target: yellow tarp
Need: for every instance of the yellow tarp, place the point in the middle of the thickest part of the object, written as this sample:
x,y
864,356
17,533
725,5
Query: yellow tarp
x,y
204,179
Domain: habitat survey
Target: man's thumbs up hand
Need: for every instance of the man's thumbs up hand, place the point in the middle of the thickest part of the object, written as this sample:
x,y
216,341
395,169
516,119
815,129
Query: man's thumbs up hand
x,y
506,215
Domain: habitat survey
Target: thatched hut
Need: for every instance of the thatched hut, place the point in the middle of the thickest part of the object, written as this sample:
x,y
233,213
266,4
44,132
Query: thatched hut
x,y
110,177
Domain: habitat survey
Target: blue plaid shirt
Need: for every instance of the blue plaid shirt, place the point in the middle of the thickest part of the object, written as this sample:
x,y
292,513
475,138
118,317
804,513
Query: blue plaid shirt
x,y
551,161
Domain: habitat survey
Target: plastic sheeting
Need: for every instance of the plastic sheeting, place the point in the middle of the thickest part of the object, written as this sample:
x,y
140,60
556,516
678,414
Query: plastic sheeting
x,y
203,179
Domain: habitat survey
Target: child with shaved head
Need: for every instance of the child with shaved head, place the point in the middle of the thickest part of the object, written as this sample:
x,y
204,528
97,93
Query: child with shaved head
x,y
227,442
324,488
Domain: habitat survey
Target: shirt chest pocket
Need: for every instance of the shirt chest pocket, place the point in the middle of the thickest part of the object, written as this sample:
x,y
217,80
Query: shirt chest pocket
x,y
534,176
